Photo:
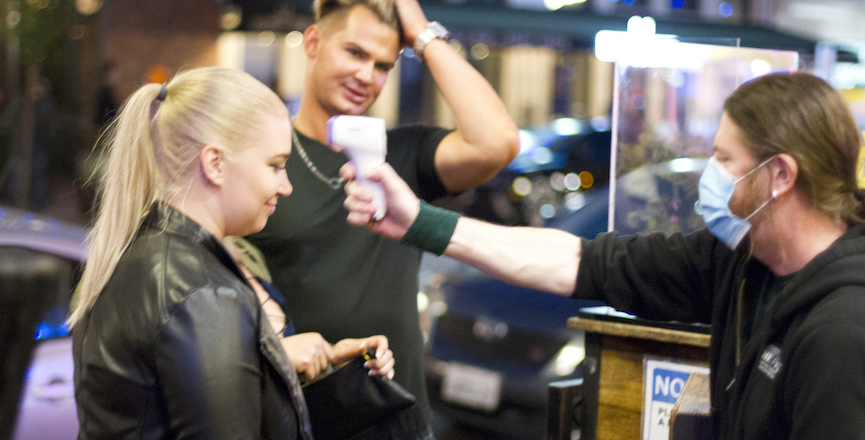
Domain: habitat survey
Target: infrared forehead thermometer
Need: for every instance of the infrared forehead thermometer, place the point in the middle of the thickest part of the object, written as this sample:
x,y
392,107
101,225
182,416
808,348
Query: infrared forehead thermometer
x,y
364,141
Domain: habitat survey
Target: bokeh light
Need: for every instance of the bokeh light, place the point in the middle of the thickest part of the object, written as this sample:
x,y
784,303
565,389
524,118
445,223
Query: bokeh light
x,y
293,39
522,186
586,179
572,181
88,7
557,181
231,18
266,38
480,51
575,201
455,45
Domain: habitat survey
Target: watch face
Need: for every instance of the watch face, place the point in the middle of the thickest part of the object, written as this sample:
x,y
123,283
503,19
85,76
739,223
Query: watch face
x,y
438,30
433,30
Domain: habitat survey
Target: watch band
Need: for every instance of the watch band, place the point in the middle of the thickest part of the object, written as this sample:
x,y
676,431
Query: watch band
x,y
433,30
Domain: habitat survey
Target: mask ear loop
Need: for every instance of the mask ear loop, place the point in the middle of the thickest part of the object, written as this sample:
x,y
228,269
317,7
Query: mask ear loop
x,y
756,168
758,209
774,191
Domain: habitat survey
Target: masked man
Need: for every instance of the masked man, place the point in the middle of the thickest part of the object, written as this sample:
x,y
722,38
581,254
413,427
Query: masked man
x,y
779,272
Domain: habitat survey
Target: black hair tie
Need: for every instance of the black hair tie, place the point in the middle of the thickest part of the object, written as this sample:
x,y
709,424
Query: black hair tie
x,y
162,92
156,103
860,195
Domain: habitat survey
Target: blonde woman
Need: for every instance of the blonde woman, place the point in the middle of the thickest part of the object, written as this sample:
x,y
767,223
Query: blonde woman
x,y
169,338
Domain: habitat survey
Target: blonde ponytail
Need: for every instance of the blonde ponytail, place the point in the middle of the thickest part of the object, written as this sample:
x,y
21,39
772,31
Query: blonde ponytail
x,y
125,194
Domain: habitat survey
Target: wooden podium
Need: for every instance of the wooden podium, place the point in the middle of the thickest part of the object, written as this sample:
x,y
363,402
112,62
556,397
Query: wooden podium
x,y
691,416
612,394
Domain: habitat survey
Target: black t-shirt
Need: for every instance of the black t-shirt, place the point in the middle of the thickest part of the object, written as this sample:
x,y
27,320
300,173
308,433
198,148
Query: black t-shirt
x,y
768,290
343,281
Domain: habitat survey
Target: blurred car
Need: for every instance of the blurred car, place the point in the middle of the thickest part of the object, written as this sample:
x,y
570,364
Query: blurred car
x,y
492,348
41,260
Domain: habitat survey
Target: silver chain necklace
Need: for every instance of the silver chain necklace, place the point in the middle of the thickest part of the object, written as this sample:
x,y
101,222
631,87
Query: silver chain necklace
x,y
333,182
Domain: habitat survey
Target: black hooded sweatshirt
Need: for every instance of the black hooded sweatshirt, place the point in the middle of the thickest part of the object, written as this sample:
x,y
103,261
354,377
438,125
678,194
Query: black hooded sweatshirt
x,y
800,375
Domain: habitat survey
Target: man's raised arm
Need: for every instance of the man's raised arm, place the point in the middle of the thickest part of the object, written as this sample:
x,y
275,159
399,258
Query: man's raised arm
x,y
486,139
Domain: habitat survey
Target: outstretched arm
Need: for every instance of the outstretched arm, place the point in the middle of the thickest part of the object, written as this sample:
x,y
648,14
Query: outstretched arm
x,y
486,139
543,259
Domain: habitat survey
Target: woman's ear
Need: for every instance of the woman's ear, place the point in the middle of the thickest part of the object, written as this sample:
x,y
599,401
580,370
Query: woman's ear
x,y
213,165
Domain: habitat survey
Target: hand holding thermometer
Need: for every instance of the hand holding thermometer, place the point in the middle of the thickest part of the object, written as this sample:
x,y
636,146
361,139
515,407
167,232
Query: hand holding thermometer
x,y
364,141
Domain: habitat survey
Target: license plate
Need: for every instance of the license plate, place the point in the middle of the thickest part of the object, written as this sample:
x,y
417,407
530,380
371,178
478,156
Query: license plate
x,y
471,386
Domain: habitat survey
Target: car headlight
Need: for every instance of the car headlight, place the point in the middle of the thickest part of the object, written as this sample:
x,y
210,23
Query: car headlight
x,y
570,356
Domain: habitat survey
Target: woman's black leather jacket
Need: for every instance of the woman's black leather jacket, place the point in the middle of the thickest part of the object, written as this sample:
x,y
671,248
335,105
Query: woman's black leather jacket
x,y
176,346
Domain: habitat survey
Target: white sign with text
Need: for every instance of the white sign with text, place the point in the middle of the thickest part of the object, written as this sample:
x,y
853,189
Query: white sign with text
x,y
662,384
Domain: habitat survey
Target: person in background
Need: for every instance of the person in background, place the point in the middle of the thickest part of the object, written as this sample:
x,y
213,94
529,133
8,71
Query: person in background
x,y
169,340
342,281
777,272
106,97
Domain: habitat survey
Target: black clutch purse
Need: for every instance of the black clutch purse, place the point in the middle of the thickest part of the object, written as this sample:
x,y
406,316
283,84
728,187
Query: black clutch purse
x,y
348,401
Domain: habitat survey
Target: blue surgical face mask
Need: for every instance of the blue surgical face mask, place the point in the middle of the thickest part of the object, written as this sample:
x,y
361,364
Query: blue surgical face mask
x,y
716,189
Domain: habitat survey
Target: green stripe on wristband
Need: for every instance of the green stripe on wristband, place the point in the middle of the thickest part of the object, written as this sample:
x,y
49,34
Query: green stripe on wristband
x,y
432,229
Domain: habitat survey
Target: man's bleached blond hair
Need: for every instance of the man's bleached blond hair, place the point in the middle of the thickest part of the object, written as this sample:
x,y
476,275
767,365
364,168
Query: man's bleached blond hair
x,y
334,12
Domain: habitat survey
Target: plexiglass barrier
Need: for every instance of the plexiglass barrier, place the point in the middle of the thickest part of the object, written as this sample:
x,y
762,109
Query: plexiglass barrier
x,y
667,104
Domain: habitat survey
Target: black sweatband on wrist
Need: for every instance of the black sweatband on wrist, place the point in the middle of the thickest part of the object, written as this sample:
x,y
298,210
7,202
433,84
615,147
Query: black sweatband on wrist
x,y
432,229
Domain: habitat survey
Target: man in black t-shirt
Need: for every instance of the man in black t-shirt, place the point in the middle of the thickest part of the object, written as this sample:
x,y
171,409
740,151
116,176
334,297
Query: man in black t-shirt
x,y
342,281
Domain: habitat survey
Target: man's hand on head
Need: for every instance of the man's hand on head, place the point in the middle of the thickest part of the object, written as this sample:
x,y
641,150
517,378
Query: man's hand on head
x,y
412,18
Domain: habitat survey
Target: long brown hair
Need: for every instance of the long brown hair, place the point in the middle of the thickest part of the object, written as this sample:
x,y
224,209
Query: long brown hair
x,y
801,115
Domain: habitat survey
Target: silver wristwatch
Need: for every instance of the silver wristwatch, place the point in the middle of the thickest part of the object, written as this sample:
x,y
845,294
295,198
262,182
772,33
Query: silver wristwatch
x,y
433,30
